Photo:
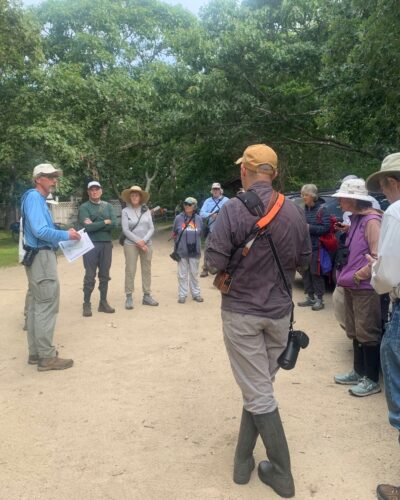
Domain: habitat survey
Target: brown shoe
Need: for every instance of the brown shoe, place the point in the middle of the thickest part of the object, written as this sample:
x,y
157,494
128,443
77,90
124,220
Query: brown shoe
x,y
87,309
104,307
33,359
388,492
55,363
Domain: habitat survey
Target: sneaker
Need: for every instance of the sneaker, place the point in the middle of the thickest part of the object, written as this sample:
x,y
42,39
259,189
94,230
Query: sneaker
x,y
204,273
104,307
129,301
388,492
149,301
366,387
87,309
56,363
351,378
318,305
33,359
181,300
310,301
198,298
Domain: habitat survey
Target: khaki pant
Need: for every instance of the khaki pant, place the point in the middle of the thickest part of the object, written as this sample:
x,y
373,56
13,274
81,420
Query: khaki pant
x,y
43,303
254,345
363,315
132,253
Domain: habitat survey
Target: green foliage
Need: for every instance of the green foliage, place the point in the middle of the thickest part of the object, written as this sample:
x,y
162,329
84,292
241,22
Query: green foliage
x,y
139,92
8,250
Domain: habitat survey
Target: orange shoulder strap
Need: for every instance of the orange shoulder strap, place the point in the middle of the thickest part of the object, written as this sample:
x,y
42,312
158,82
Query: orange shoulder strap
x,y
270,216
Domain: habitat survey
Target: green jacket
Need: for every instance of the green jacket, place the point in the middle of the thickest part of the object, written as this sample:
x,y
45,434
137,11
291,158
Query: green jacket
x,y
97,213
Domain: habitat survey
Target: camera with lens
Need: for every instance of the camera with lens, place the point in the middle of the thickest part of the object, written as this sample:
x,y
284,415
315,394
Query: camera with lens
x,y
175,256
342,256
297,340
29,255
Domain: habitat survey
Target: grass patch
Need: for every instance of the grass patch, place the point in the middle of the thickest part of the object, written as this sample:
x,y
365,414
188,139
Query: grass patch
x,y
8,250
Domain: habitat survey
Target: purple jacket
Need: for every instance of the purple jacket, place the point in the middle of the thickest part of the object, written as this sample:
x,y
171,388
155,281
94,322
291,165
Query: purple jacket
x,y
358,247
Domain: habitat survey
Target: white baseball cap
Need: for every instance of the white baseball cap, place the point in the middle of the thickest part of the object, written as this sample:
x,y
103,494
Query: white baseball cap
x,y
45,169
93,183
216,185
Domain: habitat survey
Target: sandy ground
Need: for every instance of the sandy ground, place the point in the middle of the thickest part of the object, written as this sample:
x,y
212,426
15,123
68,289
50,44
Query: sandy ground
x,y
150,409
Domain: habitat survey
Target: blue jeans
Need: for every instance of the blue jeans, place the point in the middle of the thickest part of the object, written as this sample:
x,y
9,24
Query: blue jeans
x,y
390,361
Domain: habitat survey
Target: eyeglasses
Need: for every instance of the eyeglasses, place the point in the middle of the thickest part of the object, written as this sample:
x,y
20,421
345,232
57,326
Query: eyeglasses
x,y
50,176
94,188
188,204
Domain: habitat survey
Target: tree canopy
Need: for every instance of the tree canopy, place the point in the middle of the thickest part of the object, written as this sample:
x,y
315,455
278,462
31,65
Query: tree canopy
x,y
141,92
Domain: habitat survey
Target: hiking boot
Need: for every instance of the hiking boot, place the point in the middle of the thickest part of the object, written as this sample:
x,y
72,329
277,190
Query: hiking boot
x,y
129,301
33,359
87,309
204,273
181,300
318,305
310,301
198,298
351,378
56,363
148,300
104,307
388,492
365,387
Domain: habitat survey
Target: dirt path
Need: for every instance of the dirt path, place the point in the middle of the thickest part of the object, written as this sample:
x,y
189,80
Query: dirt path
x,y
151,411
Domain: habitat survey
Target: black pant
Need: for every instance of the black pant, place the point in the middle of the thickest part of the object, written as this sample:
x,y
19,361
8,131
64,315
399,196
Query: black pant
x,y
99,257
313,284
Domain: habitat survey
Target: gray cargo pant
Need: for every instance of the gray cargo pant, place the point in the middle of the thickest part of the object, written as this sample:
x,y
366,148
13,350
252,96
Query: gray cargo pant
x,y
43,303
254,345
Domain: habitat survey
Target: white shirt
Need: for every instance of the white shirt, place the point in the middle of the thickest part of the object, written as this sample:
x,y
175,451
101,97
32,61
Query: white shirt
x,y
386,270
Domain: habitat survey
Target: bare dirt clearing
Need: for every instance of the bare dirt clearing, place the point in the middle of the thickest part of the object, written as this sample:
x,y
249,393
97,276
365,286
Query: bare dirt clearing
x,y
151,410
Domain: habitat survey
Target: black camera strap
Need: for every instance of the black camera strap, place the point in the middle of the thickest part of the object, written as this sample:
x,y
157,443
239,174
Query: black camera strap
x,y
268,236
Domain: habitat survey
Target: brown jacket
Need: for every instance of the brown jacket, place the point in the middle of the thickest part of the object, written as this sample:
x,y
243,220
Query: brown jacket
x,y
257,287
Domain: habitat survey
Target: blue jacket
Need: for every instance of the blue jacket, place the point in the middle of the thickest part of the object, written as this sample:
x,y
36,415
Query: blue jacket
x,y
212,206
38,226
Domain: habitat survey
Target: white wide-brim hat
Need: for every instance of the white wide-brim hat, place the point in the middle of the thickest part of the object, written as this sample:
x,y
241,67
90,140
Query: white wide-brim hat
x,y
353,189
390,165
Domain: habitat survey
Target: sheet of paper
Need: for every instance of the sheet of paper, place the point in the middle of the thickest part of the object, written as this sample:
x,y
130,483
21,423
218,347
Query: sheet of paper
x,y
73,249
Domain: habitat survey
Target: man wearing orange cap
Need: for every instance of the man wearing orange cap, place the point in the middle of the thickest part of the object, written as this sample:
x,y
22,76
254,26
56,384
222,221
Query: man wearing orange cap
x,y
256,312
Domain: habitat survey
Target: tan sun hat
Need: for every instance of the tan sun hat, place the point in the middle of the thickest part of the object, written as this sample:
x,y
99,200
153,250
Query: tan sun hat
x,y
257,155
390,165
126,194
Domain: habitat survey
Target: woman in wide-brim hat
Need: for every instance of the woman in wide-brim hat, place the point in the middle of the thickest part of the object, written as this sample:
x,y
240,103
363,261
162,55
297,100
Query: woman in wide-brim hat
x,y
138,228
362,304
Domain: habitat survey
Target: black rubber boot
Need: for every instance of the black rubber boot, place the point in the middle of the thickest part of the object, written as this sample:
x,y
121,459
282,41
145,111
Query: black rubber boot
x,y
275,473
244,461
372,361
358,356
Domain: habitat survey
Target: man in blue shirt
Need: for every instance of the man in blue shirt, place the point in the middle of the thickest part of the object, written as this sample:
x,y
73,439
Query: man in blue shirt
x,y
209,212
41,239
